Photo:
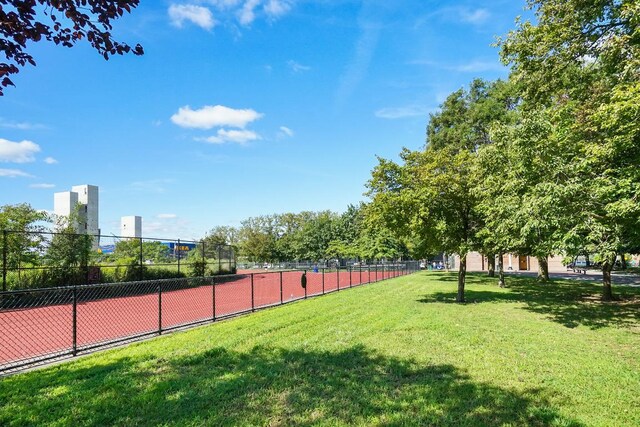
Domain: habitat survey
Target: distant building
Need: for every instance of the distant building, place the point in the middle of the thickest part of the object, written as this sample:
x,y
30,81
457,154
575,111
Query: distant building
x,y
131,226
84,198
64,203
511,262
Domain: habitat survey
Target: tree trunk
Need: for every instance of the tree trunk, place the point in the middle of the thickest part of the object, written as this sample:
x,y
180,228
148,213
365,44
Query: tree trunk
x,y
607,294
543,269
491,265
461,276
623,262
501,270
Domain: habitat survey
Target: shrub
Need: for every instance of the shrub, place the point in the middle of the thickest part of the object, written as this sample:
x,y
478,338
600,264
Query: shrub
x,y
197,268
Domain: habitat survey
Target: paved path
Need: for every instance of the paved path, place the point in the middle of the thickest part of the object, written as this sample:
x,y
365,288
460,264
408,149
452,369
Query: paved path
x,y
618,277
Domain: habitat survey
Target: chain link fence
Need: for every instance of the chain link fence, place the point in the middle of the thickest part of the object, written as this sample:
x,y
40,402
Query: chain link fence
x,y
34,260
41,325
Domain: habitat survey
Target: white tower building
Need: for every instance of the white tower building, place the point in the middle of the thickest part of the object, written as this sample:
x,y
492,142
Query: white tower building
x,y
85,199
131,226
88,200
64,203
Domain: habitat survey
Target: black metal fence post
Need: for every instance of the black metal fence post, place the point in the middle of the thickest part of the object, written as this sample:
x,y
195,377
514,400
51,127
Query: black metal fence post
x,y
281,300
160,308
4,260
338,277
213,297
74,322
323,281
85,258
305,288
253,306
204,261
376,271
176,252
140,276
350,279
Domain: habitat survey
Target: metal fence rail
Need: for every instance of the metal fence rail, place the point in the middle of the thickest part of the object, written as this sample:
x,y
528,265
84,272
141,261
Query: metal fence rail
x,y
40,325
38,259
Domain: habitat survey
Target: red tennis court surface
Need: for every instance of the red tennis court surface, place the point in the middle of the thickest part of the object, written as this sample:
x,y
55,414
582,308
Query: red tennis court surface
x,y
45,324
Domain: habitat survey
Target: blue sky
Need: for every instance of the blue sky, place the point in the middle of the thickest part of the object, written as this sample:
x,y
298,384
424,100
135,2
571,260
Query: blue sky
x,y
240,107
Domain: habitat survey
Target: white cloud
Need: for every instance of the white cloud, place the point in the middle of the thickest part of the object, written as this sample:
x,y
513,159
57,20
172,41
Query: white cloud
x,y
18,152
8,124
214,116
459,14
225,4
285,131
14,173
357,68
297,67
198,15
167,216
151,185
277,8
402,112
248,11
477,16
151,227
50,161
42,186
478,66
172,228
247,14
235,136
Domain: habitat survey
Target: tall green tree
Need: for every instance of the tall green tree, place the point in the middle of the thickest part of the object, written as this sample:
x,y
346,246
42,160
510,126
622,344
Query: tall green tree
x,y
430,195
69,252
257,238
528,194
581,60
464,122
22,241
216,237
316,235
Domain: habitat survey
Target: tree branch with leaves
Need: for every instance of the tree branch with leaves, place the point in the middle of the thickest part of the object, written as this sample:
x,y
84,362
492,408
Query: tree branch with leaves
x,y
63,22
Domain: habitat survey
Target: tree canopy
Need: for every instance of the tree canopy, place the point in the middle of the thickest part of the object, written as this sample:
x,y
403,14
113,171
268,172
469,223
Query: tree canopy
x,y
543,163
581,62
61,22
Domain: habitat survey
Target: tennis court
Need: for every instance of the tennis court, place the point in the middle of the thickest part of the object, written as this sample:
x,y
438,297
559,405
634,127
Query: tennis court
x,y
41,325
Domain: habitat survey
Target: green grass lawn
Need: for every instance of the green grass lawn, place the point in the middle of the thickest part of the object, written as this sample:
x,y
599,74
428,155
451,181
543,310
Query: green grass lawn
x,y
398,352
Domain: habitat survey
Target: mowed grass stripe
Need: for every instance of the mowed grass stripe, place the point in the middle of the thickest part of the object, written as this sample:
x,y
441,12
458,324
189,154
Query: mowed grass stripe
x,y
397,352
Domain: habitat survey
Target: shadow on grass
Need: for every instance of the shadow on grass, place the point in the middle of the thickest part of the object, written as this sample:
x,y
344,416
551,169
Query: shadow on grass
x,y
569,303
267,386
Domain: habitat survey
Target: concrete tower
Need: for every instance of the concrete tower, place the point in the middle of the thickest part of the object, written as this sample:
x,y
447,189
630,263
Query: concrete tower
x,y
131,226
88,200
85,197
64,203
